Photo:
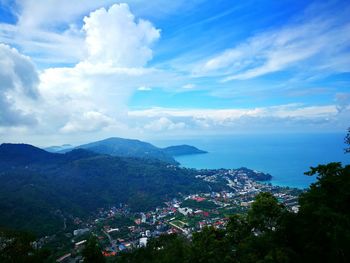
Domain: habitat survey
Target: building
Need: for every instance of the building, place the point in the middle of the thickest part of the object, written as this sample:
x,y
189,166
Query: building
x,y
143,218
143,241
185,211
79,232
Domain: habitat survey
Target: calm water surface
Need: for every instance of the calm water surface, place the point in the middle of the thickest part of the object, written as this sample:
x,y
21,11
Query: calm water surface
x,y
285,157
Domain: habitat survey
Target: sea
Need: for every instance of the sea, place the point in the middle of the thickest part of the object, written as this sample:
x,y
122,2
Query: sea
x,y
285,156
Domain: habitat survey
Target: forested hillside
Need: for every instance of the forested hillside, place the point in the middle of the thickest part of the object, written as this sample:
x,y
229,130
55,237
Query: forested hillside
x,y
39,188
126,148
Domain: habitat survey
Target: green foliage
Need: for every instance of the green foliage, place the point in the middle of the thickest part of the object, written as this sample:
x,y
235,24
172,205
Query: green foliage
x,y
165,249
128,148
92,252
18,247
209,245
41,188
182,150
237,229
265,212
320,232
325,214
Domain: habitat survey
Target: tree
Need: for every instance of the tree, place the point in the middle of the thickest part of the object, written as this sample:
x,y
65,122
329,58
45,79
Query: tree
x,y
237,229
256,236
165,249
265,213
324,216
210,246
17,246
92,252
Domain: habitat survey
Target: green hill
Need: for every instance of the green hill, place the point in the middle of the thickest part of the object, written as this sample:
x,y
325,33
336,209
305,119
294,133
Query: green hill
x,y
38,188
182,150
127,148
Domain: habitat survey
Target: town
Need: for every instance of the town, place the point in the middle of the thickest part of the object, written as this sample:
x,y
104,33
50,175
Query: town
x,y
119,230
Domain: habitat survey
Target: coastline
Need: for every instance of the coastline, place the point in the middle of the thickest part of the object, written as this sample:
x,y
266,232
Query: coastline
x,y
285,157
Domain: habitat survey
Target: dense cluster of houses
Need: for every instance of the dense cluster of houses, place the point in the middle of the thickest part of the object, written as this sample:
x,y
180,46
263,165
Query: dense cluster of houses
x,y
174,216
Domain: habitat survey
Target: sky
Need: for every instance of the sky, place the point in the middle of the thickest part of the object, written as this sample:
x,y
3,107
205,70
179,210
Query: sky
x,y
79,71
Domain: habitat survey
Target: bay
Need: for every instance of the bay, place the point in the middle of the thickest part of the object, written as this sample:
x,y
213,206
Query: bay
x,y
285,156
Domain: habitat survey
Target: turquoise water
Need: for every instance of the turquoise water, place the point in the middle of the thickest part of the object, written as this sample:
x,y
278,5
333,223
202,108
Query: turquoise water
x,y
285,157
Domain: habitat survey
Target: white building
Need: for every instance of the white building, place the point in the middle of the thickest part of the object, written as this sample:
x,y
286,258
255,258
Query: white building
x,y
79,232
143,241
185,211
143,218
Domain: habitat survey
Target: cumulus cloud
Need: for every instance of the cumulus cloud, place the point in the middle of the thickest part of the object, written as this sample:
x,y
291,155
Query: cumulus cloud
x,y
39,27
114,37
118,47
50,31
70,92
92,94
18,82
107,53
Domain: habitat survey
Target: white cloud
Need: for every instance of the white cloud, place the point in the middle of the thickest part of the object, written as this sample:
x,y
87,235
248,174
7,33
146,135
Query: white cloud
x,y
70,92
50,13
18,84
321,42
114,37
220,114
99,86
164,123
50,30
108,52
144,88
295,116
89,121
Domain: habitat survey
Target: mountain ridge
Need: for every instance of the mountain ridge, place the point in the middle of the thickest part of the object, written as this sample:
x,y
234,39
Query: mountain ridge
x,y
122,147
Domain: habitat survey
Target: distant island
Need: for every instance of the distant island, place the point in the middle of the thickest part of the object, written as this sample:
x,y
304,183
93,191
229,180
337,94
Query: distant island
x,y
183,150
122,147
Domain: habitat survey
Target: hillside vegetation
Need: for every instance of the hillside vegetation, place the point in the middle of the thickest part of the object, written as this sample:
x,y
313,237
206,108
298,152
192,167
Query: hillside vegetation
x,y
319,232
38,189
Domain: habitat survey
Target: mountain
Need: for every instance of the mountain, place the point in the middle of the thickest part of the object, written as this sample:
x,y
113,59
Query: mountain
x,y
26,155
182,150
38,189
127,148
23,154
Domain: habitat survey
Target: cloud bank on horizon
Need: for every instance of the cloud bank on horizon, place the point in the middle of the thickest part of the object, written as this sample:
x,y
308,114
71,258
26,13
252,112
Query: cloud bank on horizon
x,y
73,71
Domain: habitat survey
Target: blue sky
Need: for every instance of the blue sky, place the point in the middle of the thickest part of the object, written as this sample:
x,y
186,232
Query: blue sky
x,y
74,71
